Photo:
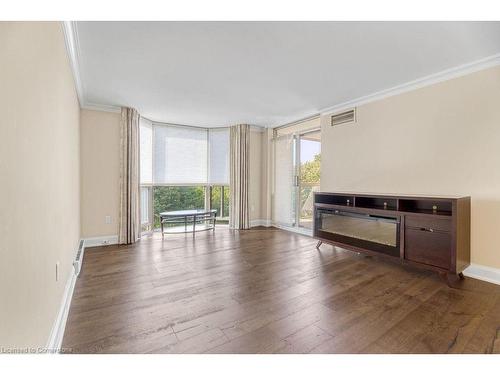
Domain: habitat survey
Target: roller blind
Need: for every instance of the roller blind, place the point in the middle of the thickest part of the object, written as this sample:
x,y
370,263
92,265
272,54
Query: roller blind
x,y
180,155
218,146
146,151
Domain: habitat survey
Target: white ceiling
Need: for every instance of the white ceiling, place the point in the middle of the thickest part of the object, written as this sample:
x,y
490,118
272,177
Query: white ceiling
x,y
263,73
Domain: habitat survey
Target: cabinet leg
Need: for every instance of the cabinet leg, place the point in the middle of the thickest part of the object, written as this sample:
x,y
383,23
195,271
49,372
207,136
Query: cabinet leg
x,y
318,244
451,279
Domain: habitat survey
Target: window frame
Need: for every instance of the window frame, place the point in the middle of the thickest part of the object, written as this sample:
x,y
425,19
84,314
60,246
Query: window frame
x,y
207,201
208,186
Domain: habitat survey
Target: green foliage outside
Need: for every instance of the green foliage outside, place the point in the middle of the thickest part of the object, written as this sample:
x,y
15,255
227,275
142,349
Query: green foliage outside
x,y
173,198
216,203
310,170
309,175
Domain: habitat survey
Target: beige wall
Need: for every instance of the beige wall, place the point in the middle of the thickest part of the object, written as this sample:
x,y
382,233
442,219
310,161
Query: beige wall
x,y
39,172
441,139
100,172
255,174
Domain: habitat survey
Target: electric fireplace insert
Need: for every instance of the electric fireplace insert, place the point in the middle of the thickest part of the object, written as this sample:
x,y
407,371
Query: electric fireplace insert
x,y
373,232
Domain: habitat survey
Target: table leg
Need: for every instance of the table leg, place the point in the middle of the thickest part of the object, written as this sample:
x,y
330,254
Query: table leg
x,y
194,224
185,223
161,224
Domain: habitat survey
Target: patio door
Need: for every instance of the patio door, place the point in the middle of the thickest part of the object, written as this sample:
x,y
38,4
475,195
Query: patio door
x,y
308,166
297,158
284,198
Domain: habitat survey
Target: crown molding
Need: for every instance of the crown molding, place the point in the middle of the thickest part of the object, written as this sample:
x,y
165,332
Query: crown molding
x,y
101,107
442,76
73,50
71,43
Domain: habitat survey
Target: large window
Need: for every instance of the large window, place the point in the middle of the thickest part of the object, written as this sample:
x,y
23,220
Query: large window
x,y
183,168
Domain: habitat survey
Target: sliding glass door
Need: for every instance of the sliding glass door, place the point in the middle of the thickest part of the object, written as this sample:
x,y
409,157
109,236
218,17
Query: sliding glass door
x,y
297,156
284,201
309,163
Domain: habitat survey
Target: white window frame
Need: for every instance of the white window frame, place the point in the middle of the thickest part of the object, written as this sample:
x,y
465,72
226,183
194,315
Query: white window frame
x,y
207,186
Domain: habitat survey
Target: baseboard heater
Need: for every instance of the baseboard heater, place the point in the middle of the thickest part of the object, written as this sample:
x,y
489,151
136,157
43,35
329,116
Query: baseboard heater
x,y
79,257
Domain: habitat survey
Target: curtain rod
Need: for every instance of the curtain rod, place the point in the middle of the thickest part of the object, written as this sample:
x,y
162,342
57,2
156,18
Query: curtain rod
x,y
184,126
260,128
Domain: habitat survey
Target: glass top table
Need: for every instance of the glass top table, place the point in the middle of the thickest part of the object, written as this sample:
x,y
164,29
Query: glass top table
x,y
186,221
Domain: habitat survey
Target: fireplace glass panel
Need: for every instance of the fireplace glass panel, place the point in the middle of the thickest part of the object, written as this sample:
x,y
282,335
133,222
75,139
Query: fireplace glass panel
x,y
381,230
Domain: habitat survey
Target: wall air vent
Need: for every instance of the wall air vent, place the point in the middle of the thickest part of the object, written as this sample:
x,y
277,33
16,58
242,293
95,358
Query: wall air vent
x,y
344,117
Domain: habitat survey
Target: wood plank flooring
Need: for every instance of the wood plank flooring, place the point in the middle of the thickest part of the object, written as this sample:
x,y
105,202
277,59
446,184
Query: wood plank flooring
x,y
270,291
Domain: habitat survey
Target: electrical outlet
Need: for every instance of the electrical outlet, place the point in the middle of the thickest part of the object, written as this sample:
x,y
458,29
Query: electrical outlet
x,y
57,271
107,219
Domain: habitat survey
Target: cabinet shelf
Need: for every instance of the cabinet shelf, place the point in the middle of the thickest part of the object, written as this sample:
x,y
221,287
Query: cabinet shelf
x,y
426,206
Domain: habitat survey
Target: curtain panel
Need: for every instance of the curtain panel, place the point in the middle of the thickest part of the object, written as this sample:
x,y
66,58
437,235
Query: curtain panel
x,y
238,176
129,221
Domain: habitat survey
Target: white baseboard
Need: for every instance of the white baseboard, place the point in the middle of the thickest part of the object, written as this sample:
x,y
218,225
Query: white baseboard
x,y
303,231
484,273
269,223
101,241
56,335
260,223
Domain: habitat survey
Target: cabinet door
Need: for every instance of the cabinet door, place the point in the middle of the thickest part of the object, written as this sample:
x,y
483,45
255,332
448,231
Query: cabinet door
x,y
432,248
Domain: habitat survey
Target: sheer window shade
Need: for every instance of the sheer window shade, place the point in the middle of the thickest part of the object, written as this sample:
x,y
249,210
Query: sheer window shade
x,y
218,146
180,155
146,151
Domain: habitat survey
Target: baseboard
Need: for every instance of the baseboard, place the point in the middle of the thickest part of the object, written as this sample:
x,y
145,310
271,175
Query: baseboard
x,y
303,231
101,241
484,273
56,335
260,223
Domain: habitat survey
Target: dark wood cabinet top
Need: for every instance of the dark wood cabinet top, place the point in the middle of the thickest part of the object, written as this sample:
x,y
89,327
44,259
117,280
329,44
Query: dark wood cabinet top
x,y
394,195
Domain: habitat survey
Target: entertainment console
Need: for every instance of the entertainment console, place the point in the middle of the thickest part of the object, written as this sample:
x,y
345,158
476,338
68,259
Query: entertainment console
x,y
430,232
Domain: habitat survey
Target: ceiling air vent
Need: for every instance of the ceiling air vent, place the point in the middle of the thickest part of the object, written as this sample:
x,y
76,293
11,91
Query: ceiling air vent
x,y
344,117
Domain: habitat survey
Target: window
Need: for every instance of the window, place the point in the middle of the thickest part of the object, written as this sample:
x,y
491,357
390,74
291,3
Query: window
x,y
219,200
183,168
145,208
173,198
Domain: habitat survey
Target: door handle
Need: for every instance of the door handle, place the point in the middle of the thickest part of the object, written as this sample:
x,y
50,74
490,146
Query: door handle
x,y
427,229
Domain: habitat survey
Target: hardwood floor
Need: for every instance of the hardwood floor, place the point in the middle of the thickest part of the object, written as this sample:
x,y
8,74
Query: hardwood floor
x,y
270,291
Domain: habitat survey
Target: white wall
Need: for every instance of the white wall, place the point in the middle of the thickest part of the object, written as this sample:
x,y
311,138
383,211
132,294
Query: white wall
x,y
39,172
441,139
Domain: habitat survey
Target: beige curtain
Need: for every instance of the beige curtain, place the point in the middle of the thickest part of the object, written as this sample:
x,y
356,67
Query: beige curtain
x,y
129,222
238,178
